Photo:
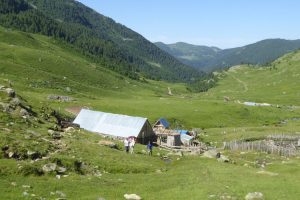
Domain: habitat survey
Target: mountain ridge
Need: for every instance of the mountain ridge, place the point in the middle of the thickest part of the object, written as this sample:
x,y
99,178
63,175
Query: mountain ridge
x,y
102,39
213,58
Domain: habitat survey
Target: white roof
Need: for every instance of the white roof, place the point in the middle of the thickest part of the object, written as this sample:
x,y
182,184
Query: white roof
x,y
110,124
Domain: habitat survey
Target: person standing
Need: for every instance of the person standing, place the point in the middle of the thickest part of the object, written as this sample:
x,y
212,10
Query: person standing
x,y
126,145
131,145
149,148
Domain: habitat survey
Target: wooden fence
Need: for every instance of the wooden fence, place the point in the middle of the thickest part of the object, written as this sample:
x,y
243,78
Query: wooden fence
x,y
263,146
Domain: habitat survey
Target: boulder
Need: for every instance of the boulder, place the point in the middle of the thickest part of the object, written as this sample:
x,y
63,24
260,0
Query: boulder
x,y
132,197
23,112
210,153
15,101
69,129
11,154
61,169
254,196
223,159
10,92
50,167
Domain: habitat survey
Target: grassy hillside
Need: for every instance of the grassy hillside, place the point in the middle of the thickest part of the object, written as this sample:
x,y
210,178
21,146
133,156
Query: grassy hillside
x,y
212,58
36,66
100,38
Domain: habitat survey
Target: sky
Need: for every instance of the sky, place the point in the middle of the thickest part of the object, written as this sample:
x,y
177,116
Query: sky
x,y
220,23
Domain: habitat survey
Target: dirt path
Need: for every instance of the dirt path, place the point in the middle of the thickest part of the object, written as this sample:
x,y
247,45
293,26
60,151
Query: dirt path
x,y
240,81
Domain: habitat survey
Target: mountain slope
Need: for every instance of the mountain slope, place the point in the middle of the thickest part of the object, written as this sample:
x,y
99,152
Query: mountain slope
x,y
96,36
210,58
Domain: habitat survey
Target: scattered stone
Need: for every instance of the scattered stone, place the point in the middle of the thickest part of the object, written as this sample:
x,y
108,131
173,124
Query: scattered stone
x,y
25,193
26,186
210,153
23,112
57,176
132,197
223,159
70,129
100,198
13,184
61,169
68,89
55,135
50,167
11,154
60,193
254,196
60,98
33,195
15,101
10,92
267,173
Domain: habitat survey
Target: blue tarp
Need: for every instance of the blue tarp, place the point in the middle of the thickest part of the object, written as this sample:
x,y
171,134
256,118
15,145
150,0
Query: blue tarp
x,y
185,138
164,122
182,131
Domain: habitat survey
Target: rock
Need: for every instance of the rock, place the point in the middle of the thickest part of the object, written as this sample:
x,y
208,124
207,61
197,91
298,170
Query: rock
x,y
132,197
100,198
254,196
2,87
11,154
223,159
15,101
60,193
61,169
25,193
69,129
68,89
50,167
60,98
26,186
23,112
57,176
210,153
13,184
10,92
55,135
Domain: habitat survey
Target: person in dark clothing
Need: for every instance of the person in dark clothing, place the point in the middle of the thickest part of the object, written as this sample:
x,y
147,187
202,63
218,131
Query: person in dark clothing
x,y
149,148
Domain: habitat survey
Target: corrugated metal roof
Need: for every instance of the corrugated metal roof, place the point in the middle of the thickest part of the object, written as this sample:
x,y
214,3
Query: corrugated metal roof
x,y
110,124
164,122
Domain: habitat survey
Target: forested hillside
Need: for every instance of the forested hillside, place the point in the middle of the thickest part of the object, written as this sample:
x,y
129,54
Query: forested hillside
x,y
98,37
212,58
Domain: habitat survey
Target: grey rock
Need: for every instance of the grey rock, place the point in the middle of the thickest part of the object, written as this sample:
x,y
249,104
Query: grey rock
x,y
50,167
210,153
11,154
15,101
10,92
61,169
132,197
254,196
60,193
223,159
23,112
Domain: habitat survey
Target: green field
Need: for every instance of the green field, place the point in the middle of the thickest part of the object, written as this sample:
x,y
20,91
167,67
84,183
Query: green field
x,y
37,66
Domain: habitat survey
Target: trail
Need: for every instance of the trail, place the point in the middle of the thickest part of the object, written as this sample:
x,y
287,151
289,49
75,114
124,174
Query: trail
x,y
240,81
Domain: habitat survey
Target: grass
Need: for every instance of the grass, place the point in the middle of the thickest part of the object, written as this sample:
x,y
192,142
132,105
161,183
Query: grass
x,y
37,66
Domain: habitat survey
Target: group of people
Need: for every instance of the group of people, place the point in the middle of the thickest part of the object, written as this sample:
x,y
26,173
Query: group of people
x,y
129,146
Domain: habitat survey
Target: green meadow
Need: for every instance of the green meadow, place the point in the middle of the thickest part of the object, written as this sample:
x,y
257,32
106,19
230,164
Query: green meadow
x,y
36,67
